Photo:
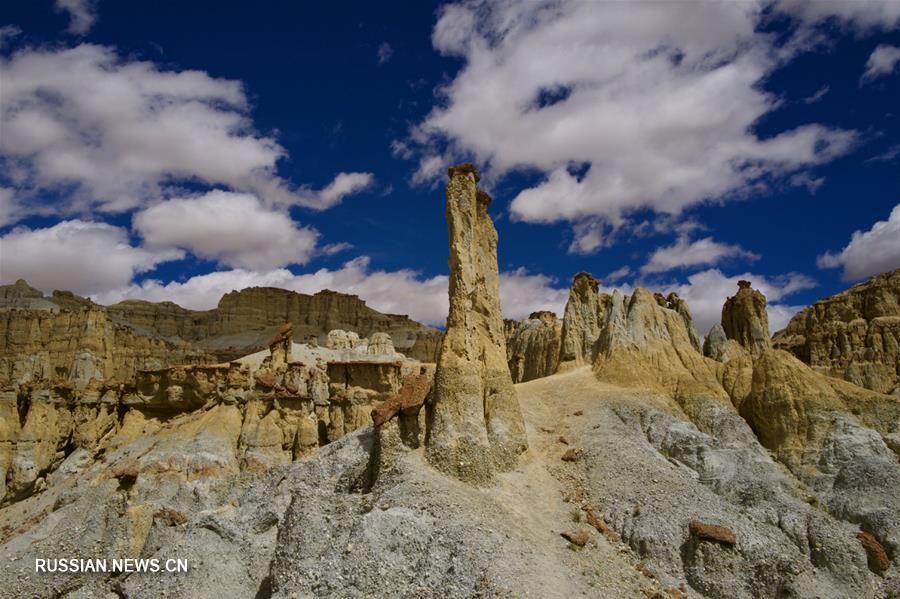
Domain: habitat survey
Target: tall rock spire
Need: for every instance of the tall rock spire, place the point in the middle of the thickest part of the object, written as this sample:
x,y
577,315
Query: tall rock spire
x,y
475,426
744,319
582,322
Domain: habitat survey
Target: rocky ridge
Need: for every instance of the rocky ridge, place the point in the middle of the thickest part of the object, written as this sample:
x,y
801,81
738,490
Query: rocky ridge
x,y
67,338
854,335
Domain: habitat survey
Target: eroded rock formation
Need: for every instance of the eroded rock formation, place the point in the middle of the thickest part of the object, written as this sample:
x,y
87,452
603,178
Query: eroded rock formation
x,y
582,321
281,344
244,320
80,345
380,344
474,426
533,346
745,320
854,335
839,438
258,415
643,343
66,337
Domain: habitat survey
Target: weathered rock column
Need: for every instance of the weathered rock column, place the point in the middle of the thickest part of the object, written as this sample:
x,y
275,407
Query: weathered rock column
x,y
745,320
582,322
280,345
475,426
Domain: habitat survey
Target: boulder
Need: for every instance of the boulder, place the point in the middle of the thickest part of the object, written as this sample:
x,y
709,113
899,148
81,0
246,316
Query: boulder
x,y
340,339
380,344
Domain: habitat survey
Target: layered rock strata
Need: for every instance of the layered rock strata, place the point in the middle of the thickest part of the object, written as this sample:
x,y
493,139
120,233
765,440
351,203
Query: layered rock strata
x,y
278,412
475,426
243,320
80,345
64,337
854,335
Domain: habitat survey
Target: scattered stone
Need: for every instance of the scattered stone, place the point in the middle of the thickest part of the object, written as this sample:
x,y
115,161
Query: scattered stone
x,y
578,538
712,532
875,553
563,440
170,517
572,455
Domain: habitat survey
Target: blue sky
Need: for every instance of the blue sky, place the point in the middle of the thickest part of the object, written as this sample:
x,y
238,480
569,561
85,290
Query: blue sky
x,y
178,150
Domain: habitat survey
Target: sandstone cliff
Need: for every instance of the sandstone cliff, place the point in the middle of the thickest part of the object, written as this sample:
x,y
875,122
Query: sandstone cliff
x,y
474,424
80,345
278,412
66,337
854,335
244,320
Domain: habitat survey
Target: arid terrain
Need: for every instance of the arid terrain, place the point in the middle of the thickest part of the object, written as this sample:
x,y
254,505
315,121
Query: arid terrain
x,y
289,445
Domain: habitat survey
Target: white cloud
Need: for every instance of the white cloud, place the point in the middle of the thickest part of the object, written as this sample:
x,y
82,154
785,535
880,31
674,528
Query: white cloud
x,y
619,273
385,51
818,95
883,61
8,208
522,293
654,102
231,228
335,248
869,252
344,184
684,253
589,236
84,257
82,14
861,15
112,134
706,291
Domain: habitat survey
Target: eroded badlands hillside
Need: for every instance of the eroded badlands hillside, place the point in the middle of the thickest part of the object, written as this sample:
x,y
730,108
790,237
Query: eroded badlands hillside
x,y
635,462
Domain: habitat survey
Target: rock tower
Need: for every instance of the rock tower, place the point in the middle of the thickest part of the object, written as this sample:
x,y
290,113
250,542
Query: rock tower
x,y
745,320
475,426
